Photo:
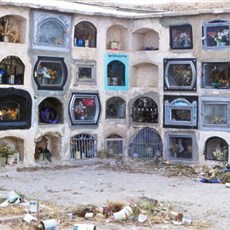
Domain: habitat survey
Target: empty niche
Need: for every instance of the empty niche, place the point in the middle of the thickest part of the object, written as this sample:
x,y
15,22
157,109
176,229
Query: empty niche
x,y
145,39
146,143
216,148
83,146
11,150
144,75
48,147
114,145
85,35
117,38
50,111
13,29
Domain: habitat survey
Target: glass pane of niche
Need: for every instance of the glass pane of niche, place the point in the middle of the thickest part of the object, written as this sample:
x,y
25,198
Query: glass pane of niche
x,y
115,108
50,73
180,112
84,108
180,147
86,72
215,113
216,34
51,31
180,74
215,75
145,110
181,37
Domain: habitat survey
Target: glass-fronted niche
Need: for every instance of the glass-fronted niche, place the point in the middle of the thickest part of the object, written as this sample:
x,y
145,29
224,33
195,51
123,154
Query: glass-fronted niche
x,y
181,37
84,108
181,146
215,75
145,110
215,113
115,108
50,73
215,34
180,74
51,31
116,72
180,112
12,71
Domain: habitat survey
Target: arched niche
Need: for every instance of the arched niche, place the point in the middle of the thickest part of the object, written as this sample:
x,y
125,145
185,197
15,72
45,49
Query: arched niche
x,y
50,111
145,39
146,143
117,38
85,35
13,29
144,110
11,150
48,147
83,146
115,108
144,75
12,71
216,148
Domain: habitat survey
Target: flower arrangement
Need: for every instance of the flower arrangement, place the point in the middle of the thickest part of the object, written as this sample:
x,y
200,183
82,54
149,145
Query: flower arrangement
x,y
221,153
220,37
6,151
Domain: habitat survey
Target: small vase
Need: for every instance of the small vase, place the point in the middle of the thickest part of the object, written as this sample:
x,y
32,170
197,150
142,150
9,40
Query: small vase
x,y
221,43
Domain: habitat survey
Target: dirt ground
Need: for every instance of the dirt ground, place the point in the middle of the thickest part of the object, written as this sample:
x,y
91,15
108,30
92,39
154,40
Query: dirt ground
x,y
99,181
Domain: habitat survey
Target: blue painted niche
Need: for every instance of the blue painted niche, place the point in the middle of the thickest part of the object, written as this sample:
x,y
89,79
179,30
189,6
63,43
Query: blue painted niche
x,y
116,72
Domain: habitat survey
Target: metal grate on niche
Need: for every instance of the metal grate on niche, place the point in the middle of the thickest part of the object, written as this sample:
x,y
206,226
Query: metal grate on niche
x,y
83,146
146,143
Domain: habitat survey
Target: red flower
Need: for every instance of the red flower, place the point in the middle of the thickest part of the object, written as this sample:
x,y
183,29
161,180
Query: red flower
x,y
88,102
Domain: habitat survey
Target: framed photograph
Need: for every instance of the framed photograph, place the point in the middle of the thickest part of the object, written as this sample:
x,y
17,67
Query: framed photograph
x,y
86,72
181,37
84,108
50,73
